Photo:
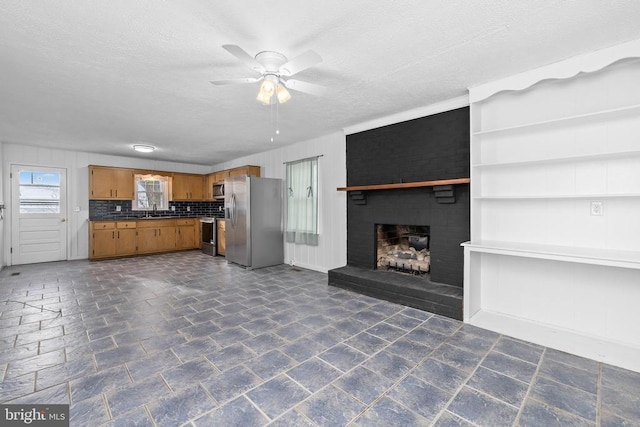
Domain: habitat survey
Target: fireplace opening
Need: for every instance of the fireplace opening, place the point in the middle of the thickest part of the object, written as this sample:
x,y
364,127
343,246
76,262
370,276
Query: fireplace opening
x,y
403,248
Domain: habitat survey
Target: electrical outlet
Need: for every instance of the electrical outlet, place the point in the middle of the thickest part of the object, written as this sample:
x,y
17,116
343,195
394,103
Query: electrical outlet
x,y
118,208
188,208
219,208
173,208
597,208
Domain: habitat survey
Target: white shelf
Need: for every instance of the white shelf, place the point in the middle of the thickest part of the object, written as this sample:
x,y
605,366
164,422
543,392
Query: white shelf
x,y
556,160
595,256
596,114
559,197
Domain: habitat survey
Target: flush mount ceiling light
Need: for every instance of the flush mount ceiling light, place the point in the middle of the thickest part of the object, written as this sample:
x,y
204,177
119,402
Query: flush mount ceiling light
x,y
275,71
144,148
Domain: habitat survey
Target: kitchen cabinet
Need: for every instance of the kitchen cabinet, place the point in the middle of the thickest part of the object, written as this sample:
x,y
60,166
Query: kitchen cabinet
x,y
245,170
187,187
221,241
209,180
186,233
107,183
126,238
112,238
156,235
102,241
219,176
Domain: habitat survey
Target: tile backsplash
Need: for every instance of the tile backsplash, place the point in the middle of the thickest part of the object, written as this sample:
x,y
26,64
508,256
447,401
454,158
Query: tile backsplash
x,y
107,209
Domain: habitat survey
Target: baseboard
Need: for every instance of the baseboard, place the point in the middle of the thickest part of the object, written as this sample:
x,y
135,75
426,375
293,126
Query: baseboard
x,y
624,355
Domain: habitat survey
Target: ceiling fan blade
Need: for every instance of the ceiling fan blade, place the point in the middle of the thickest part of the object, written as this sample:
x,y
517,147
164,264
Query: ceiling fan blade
x,y
235,81
305,87
244,57
299,63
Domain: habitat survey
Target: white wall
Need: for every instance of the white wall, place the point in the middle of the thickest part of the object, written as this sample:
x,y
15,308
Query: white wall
x,y
331,251
76,163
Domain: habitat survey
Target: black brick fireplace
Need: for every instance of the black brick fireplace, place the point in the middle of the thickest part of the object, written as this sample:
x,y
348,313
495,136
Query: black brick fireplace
x,y
426,149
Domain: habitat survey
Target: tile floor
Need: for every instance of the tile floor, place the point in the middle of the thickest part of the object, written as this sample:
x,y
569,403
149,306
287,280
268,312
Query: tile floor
x,y
185,338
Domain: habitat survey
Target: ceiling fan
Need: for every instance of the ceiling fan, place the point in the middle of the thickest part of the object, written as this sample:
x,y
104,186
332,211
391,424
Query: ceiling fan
x,y
275,70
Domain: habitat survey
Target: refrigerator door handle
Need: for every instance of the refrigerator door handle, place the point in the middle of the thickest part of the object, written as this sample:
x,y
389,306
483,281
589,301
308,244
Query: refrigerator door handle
x,y
234,213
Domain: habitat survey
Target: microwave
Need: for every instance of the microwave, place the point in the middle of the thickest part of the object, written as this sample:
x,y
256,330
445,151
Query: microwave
x,y
218,190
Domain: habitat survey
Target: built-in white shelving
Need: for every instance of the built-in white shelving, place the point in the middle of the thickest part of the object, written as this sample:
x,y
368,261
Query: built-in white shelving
x,y
592,115
562,159
545,146
582,255
558,196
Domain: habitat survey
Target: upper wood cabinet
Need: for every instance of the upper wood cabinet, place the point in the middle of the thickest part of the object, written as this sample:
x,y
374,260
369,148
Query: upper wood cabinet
x,y
119,183
209,180
110,183
245,170
219,176
187,187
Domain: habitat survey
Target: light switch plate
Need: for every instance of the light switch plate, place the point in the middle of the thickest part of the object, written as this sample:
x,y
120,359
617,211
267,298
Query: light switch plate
x,y
118,208
188,208
173,208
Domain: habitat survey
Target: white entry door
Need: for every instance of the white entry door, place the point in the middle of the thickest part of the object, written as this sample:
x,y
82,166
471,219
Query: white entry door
x,y
38,214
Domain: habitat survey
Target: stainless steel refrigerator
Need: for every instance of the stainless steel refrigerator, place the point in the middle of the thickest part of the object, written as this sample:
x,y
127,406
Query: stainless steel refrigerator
x,y
253,215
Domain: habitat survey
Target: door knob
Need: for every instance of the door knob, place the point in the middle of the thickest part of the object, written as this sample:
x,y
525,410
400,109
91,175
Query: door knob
x,y
63,220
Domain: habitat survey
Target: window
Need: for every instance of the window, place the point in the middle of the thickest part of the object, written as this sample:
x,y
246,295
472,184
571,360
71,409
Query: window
x,y
39,192
302,202
152,192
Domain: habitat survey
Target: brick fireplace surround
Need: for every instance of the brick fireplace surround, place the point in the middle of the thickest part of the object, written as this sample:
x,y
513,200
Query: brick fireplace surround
x,y
430,148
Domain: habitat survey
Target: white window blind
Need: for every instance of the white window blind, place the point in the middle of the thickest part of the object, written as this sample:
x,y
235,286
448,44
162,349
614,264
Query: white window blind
x,y
302,202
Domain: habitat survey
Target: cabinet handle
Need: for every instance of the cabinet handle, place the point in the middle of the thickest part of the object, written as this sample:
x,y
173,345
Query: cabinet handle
x,y
159,232
116,193
155,233
110,193
118,234
113,234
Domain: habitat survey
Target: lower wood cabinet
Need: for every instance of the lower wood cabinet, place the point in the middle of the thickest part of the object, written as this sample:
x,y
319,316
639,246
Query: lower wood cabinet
x,y
186,231
126,241
102,240
109,239
156,235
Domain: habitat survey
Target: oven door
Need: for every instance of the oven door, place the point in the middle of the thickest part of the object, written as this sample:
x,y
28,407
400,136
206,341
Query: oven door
x,y
208,241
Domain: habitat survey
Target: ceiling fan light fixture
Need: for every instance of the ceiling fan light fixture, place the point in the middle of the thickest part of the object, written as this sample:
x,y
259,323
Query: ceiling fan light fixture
x,y
267,88
141,148
283,94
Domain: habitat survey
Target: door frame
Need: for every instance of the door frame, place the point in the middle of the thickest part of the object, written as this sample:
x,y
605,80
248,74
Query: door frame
x,y
12,223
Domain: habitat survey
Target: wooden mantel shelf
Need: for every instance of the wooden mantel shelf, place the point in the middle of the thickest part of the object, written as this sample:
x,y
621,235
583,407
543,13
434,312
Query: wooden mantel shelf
x,y
406,185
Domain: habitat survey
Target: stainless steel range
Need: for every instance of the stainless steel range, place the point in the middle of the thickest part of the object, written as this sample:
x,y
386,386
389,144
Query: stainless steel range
x,y
208,241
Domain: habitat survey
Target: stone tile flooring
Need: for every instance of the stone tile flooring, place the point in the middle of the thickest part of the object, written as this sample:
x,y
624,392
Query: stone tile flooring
x,y
185,338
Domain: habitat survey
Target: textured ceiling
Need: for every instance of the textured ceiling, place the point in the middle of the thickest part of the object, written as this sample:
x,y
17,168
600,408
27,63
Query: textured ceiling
x,y
99,76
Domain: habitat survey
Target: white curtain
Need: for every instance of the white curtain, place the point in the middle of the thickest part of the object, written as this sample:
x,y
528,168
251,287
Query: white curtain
x,y
302,202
